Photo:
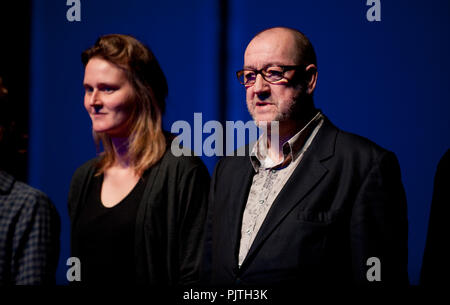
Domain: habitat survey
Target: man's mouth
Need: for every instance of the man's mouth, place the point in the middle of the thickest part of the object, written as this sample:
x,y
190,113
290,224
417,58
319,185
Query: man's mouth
x,y
261,104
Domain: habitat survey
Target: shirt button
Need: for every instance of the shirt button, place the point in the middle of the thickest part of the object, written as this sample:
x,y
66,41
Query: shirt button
x,y
261,201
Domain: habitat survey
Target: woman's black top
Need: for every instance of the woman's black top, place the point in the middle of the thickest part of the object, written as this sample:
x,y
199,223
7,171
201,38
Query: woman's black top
x,y
170,218
104,237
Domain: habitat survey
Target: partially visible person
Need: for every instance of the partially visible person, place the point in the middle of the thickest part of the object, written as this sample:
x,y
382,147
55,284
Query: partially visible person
x,y
435,268
137,211
29,222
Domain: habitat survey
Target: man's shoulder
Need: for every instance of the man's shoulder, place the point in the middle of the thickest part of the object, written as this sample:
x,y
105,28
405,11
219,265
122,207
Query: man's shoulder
x,y
29,191
356,144
24,196
352,151
347,145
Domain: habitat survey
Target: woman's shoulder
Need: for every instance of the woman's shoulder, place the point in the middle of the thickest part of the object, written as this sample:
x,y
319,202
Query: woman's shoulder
x,y
85,168
176,156
78,185
184,162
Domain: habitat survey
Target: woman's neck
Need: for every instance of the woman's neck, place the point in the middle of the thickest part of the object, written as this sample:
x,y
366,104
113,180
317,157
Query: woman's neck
x,y
121,152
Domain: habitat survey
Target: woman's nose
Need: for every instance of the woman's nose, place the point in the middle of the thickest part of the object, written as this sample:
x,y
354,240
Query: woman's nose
x,y
94,98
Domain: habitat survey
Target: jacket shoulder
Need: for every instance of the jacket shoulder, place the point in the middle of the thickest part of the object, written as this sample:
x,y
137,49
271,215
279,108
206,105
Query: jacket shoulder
x,y
361,154
78,184
332,140
353,142
17,191
85,168
29,196
181,163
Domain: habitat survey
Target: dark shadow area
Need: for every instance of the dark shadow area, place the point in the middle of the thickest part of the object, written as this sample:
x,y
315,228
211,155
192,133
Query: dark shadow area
x,y
15,18
435,267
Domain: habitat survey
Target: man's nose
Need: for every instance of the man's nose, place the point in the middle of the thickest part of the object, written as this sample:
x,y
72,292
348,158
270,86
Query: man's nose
x,y
261,85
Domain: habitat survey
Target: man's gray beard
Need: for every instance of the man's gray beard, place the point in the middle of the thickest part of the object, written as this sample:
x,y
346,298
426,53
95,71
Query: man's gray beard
x,y
290,114
293,113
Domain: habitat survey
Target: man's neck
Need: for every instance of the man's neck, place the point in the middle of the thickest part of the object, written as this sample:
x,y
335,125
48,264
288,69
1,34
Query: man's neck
x,y
286,130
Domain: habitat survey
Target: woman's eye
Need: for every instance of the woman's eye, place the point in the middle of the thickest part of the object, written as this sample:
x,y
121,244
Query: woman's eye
x,y
108,89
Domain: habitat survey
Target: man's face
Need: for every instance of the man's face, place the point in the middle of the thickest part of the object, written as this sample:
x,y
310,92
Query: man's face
x,y
265,101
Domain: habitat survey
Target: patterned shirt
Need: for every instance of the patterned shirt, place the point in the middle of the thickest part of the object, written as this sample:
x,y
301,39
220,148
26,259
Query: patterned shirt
x,y
270,178
29,234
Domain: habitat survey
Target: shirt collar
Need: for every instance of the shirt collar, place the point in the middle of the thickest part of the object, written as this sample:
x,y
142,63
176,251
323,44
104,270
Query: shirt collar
x,y
291,148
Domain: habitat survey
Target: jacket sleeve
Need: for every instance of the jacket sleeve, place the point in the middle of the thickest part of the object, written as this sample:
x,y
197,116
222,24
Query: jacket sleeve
x,y
194,197
205,276
379,226
36,242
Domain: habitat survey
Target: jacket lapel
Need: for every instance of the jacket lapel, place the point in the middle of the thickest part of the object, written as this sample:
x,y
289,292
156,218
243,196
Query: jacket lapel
x,y
241,185
305,177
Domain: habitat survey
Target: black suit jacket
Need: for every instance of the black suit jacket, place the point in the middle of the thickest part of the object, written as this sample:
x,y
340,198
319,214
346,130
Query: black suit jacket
x,y
343,204
435,268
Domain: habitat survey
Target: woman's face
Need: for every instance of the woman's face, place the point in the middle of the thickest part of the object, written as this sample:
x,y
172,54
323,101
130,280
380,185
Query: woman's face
x,y
108,97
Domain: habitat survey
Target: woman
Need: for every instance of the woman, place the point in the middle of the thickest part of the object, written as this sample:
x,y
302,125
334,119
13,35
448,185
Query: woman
x,y
137,211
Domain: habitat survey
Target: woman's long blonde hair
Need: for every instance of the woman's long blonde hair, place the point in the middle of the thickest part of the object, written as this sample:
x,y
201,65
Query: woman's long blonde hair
x,y
146,140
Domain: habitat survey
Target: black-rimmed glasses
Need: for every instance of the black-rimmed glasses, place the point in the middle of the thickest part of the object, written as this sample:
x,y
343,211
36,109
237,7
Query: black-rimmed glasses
x,y
272,74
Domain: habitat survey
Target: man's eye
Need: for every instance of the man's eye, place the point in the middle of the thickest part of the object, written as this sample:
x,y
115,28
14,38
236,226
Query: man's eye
x,y
249,75
274,72
88,89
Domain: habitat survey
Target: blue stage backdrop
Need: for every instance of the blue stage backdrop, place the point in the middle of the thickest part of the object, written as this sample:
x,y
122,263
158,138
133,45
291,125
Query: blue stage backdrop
x,y
387,80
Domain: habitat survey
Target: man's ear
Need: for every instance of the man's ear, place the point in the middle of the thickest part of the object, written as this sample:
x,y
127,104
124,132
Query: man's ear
x,y
311,78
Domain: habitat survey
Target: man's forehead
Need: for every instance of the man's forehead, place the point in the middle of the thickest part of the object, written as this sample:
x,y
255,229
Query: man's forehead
x,y
271,49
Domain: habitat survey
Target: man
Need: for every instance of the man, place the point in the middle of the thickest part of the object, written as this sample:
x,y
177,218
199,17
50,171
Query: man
x,y
321,205
29,223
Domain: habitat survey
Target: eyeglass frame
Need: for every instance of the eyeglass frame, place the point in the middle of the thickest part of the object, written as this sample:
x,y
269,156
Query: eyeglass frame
x,y
285,68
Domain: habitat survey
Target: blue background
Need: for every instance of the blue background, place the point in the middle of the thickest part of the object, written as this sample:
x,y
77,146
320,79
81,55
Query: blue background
x,y
387,81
